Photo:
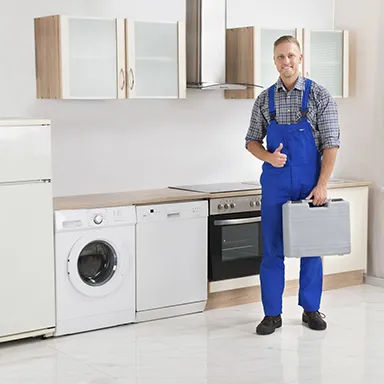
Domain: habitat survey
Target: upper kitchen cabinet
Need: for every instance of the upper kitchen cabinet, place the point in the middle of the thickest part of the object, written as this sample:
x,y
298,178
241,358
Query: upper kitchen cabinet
x,y
249,58
156,65
78,58
326,57
93,58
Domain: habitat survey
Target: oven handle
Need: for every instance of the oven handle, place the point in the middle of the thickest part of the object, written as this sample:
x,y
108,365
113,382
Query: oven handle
x,y
237,221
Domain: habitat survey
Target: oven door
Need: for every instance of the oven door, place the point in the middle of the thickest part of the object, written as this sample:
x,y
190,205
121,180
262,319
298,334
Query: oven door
x,y
235,246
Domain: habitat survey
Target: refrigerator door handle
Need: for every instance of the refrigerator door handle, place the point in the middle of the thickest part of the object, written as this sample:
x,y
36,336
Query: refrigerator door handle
x,y
24,182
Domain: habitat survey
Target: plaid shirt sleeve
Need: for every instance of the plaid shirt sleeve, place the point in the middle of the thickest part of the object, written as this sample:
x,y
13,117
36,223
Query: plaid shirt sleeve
x,y
327,119
258,124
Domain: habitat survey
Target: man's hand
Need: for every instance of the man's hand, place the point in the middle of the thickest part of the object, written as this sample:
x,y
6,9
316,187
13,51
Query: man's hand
x,y
278,159
319,194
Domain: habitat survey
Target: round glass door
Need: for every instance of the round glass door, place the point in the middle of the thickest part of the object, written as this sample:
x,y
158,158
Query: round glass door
x,y
97,263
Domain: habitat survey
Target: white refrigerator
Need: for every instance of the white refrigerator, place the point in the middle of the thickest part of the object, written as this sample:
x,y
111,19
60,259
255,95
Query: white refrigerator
x,y
27,296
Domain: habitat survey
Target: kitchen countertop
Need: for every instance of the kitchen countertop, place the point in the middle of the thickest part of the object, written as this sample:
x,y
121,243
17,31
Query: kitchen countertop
x,y
103,200
166,195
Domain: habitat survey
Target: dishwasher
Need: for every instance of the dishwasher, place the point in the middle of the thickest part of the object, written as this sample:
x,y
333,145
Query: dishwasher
x,y
171,259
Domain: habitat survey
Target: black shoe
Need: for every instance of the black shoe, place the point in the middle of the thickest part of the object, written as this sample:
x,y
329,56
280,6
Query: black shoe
x,y
315,320
268,325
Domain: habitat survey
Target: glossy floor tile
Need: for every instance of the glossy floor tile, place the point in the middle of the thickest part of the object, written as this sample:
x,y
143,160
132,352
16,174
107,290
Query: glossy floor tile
x,y
216,347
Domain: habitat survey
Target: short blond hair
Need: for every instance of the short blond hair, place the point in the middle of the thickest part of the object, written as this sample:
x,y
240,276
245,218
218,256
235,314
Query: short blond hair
x,y
286,39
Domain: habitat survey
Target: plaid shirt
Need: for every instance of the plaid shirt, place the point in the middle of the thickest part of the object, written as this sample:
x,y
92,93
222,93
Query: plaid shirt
x,y
322,113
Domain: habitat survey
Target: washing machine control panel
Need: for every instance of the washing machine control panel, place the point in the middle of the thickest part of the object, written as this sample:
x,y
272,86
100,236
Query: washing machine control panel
x,y
110,216
69,220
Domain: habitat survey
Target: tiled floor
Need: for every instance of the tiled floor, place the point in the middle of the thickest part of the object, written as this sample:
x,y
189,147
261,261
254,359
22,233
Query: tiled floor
x,y
216,347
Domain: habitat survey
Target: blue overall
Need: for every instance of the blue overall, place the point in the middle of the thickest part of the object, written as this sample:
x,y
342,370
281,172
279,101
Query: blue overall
x,y
294,181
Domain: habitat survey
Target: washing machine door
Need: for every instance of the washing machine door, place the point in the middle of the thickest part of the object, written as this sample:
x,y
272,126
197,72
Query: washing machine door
x,y
96,265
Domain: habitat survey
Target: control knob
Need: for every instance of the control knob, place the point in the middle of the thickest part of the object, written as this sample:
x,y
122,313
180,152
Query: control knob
x,y
232,205
226,206
220,206
98,219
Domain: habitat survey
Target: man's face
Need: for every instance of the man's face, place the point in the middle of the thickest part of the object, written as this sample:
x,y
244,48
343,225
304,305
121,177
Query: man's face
x,y
287,58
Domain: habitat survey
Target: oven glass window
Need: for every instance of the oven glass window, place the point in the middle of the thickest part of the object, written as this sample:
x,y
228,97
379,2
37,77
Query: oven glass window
x,y
240,241
97,263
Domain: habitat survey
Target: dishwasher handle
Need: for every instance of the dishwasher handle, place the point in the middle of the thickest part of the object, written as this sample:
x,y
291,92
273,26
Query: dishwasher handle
x,y
173,215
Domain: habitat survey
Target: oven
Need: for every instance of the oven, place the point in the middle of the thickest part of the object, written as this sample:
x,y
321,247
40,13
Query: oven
x,y
234,237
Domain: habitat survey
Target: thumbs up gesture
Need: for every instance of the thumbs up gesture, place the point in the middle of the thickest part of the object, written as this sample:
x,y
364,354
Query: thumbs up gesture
x,y
278,159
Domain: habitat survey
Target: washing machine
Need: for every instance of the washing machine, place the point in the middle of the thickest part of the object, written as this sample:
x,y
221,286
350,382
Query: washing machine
x,y
95,268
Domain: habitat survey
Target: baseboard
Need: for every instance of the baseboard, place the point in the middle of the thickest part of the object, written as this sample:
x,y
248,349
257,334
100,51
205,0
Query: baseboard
x,y
376,281
48,332
230,284
177,310
252,294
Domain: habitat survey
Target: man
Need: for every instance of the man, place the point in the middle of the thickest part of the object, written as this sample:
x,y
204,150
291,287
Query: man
x,y
300,120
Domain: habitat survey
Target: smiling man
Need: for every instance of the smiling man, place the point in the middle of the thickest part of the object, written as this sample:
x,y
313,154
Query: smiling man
x,y
299,119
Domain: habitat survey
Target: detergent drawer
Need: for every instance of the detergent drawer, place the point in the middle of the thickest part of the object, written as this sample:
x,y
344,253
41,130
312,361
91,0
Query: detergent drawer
x,y
310,230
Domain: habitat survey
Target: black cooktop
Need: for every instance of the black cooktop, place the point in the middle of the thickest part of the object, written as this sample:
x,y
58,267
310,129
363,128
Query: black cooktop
x,y
220,187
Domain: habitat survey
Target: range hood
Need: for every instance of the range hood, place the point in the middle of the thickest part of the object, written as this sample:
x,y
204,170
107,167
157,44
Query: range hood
x,y
206,24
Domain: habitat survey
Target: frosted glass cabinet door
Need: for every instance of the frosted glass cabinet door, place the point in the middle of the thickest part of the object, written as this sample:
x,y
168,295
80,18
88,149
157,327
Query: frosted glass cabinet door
x,y
155,59
89,57
326,60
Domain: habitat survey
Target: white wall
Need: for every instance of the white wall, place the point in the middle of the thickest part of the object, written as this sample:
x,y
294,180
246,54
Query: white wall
x,y
283,14
362,114
107,146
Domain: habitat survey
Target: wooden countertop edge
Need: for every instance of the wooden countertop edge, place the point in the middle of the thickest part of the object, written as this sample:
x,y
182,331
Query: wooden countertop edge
x,y
350,184
159,196
155,196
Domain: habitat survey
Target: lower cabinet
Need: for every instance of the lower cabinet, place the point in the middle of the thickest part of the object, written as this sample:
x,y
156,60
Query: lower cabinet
x,y
357,259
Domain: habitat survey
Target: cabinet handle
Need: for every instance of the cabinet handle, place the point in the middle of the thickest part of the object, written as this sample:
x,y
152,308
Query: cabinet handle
x,y
132,79
122,74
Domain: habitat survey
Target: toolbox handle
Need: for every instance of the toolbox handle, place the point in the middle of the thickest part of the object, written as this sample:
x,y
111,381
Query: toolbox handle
x,y
310,202
325,205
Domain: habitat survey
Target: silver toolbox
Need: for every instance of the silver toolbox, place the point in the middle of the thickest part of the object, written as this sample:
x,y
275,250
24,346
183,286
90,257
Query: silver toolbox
x,y
310,230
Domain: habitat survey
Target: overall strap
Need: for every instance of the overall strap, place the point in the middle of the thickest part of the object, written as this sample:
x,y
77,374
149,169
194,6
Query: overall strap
x,y
304,105
271,102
